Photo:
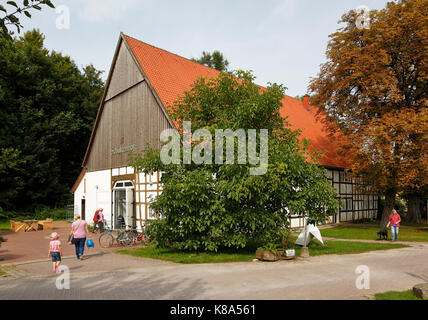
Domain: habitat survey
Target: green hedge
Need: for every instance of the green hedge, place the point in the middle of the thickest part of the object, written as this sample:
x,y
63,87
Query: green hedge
x,y
40,213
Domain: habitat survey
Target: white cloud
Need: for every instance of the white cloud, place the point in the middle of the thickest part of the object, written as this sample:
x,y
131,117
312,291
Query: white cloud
x,y
104,10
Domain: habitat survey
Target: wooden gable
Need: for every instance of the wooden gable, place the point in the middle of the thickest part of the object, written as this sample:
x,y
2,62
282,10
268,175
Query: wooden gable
x,y
129,117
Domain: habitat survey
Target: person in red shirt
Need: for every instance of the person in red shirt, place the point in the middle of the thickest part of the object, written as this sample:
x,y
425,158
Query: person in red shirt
x,y
394,223
101,219
95,219
98,220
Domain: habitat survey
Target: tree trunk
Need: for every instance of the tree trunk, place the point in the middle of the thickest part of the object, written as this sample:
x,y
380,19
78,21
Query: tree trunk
x,y
387,209
413,208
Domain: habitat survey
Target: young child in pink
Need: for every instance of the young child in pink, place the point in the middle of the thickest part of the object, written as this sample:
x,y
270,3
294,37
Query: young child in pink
x,y
55,251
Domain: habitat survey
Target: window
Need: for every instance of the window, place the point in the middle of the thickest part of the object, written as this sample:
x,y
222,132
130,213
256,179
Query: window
x,y
336,186
123,184
152,213
349,204
336,176
343,205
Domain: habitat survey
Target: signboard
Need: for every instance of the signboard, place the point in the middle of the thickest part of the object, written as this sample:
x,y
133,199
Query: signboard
x,y
290,253
123,149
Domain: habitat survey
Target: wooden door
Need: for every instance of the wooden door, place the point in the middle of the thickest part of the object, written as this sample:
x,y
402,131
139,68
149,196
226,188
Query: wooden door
x,y
82,214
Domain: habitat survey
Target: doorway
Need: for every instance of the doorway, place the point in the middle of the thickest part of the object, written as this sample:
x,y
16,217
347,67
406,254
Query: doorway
x,y
83,208
123,204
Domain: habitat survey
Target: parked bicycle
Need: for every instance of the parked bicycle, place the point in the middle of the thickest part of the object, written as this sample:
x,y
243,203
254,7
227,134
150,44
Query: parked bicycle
x,y
125,237
138,236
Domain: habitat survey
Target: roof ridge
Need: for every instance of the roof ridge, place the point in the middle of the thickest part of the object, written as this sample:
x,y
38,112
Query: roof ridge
x,y
199,64
150,45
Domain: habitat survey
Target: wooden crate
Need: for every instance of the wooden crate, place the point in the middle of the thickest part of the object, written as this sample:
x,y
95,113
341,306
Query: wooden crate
x,y
46,224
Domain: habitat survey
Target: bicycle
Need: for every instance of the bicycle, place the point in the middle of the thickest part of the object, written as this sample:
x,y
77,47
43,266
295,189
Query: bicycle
x,y
124,237
137,235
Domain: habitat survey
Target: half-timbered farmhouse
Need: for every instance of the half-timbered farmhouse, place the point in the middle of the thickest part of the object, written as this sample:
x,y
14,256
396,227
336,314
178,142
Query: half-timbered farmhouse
x,y
143,81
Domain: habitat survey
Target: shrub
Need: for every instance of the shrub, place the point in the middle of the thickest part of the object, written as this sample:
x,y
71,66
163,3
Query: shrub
x,y
5,215
269,247
160,234
362,220
287,241
46,212
40,213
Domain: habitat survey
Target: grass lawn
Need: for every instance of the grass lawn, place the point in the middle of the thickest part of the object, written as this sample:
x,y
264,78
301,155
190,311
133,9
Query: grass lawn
x,y
315,249
370,233
189,257
4,225
347,247
397,295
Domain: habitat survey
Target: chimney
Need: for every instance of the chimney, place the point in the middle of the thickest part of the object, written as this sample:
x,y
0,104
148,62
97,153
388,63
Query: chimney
x,y
306,102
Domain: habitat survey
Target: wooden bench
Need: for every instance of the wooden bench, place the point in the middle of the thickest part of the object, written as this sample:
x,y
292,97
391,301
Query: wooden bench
x,y
45,224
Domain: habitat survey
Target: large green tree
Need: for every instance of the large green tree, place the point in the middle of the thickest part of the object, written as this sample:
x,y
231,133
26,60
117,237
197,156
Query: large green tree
x,y
208,206
47,107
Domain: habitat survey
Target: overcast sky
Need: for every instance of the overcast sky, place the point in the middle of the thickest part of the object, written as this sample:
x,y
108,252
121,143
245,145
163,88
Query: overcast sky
x,y
282,41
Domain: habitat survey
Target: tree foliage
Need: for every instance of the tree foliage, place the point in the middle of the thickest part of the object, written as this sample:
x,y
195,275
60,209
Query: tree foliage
x,y
10,14
374,88
208,206
213,60
47,107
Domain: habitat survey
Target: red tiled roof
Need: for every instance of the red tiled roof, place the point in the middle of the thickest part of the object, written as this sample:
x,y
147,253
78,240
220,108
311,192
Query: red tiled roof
x,y
170,75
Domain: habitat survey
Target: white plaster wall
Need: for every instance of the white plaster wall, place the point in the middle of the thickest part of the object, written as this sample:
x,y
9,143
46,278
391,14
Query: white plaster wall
x,y
79,194
98,195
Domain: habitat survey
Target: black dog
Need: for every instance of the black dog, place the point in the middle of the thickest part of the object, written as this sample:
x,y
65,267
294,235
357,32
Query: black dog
x,y
383,234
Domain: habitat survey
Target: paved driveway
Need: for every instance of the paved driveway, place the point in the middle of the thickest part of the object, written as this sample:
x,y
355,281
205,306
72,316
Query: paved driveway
x,y
113,276
34,245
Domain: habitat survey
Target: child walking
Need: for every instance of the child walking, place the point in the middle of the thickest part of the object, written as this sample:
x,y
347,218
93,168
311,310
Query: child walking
x,y
55,251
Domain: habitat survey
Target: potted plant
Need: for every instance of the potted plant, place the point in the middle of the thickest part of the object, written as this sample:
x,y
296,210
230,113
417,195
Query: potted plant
x,y
268,252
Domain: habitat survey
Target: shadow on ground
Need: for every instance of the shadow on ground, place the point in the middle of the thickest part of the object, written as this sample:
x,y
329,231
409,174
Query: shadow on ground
x,y
107,286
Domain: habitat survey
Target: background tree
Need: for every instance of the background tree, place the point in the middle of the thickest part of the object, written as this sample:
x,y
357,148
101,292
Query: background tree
x,y
416,203
47,107
373,86
210,206
10,14
213,60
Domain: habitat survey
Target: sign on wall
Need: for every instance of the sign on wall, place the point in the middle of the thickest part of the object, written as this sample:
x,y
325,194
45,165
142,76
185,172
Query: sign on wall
x,y
123,149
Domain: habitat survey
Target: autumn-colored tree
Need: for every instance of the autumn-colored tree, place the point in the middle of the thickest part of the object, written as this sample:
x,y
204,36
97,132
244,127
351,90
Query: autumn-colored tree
x,y
373,87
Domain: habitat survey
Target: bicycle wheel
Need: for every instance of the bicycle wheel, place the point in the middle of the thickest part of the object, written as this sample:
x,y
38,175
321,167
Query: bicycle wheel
x,y
142,237
106,240
126,239
134,234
